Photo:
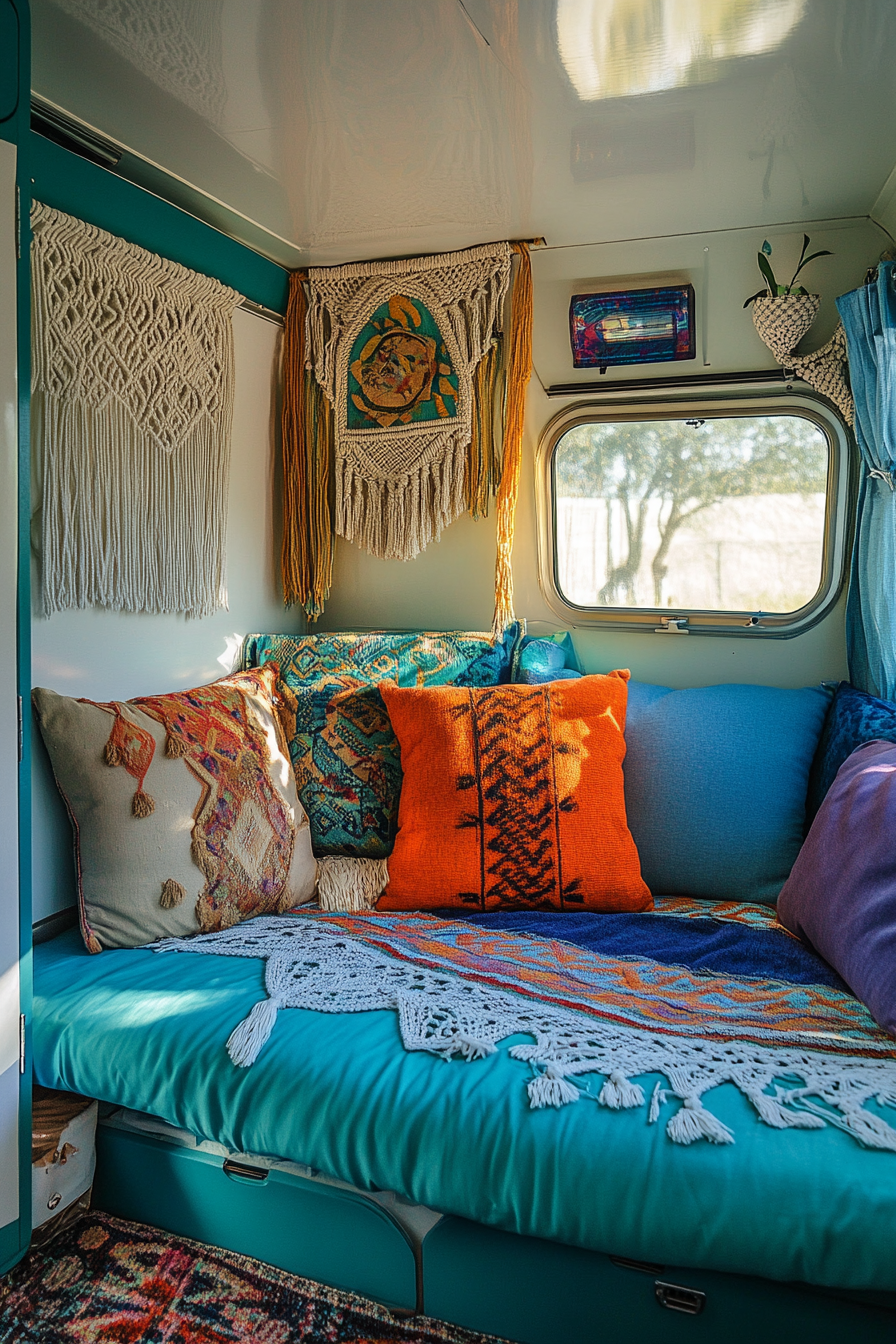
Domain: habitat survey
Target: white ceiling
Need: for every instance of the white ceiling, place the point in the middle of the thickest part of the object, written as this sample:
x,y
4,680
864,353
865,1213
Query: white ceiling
x,y
361,128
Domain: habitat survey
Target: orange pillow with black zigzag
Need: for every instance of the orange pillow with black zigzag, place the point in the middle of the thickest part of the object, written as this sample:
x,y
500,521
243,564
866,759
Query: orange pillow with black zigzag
x,y
512,798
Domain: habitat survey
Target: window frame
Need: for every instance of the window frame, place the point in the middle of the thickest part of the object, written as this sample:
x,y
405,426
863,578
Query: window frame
x,y
706,404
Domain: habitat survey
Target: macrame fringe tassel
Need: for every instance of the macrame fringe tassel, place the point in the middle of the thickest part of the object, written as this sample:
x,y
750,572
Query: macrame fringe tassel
x,y
350,884
307,442
397,519
125,525
519,370
172,894
246,1040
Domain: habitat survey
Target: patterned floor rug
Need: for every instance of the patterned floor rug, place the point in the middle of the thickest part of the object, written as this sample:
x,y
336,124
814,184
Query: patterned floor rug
x,y
123,1283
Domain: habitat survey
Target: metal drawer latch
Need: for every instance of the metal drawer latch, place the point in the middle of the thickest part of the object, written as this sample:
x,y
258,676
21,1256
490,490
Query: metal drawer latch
x,y
672,1295
245,1171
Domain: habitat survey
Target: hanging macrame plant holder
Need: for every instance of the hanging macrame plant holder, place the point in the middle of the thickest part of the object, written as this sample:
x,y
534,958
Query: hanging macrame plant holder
x,y
393,382
132,402
782,322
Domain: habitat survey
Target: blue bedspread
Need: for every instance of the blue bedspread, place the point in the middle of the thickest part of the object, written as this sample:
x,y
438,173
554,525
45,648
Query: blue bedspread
x,y
340,1093
701,944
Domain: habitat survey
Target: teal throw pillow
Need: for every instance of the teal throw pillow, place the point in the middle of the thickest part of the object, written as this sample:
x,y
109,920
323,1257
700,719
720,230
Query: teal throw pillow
x,y
344,752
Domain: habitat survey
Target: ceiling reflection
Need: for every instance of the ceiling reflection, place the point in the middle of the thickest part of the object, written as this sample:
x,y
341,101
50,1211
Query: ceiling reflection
x,y
620,48
345,129
176,43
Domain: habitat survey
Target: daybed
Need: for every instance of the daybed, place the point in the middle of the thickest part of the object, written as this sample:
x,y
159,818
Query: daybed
x,y
433,1183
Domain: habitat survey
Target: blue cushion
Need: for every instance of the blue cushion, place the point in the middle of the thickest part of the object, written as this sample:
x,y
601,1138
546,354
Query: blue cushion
x,y
549,658
853,719
715,785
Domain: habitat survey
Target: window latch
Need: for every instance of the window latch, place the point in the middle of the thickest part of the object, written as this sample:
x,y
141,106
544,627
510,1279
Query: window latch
x,y
672,625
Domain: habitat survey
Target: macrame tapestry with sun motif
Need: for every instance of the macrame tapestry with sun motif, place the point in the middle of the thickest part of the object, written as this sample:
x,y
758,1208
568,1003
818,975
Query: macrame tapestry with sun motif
x,y
395,378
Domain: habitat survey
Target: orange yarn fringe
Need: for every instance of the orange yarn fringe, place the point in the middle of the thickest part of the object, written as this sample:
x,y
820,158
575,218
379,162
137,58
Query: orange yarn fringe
x,y
483,468
306,559
519,370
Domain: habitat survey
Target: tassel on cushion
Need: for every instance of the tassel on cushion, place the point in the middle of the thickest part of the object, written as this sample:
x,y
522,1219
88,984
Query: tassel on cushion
x,y
172,894
350,884
111,753
175,746
144,804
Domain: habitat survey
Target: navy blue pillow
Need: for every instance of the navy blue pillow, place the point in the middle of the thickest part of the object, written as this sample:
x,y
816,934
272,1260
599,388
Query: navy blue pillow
x,y
855,717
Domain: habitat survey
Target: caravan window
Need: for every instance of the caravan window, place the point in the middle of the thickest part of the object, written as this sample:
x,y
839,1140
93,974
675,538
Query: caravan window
x,y
715,519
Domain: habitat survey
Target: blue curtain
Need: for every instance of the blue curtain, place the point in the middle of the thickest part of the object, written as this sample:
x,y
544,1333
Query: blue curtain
x,y
869,319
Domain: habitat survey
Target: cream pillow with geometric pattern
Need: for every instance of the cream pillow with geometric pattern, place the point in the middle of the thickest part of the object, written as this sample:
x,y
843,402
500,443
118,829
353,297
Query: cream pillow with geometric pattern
x,y
183,807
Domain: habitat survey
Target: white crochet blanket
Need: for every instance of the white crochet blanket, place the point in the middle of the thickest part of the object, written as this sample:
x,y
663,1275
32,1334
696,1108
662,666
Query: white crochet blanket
x,y
313,966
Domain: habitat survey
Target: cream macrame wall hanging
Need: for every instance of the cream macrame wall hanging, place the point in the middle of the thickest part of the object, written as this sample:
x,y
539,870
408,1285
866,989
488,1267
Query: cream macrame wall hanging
x,y
394,375
132,401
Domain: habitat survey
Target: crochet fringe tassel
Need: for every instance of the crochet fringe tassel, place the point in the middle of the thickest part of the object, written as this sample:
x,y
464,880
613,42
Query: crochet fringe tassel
x,y
326,968
350,884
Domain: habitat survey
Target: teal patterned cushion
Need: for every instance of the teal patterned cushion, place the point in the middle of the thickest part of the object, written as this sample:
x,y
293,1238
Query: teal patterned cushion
x,y
344,752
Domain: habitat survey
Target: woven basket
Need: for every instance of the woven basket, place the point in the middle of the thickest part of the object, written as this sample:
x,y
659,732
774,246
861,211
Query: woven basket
x,y
783,322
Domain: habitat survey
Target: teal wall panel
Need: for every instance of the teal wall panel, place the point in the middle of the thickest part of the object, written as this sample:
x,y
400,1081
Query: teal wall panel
x,y
9,61
15,58
67,182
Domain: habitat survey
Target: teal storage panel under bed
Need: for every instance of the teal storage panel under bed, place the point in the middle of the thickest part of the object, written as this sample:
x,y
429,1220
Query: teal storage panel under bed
x,y
321,1232
539,1292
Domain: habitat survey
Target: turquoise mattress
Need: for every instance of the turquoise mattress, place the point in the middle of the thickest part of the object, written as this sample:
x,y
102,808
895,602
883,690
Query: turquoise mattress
x,y
340,1093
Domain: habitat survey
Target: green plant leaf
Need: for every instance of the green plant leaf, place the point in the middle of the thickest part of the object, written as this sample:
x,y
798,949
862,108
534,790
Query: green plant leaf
x,y
799,264
824,253
767,248
804,260
768,274
760,294
783,291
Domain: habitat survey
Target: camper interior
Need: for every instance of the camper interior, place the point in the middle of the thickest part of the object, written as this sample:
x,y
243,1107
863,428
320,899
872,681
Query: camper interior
x,y
448,519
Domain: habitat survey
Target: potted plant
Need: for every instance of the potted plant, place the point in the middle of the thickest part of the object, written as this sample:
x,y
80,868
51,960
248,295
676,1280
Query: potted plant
x,y
782,314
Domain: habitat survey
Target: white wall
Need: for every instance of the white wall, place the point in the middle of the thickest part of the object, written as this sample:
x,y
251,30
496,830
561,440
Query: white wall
x,y
451,584
109,655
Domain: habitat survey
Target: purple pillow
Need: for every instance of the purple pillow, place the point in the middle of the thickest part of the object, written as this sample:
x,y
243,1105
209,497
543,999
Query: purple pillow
x,y
841,895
